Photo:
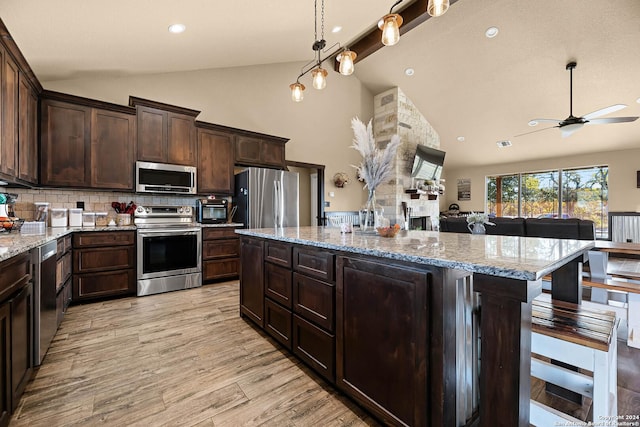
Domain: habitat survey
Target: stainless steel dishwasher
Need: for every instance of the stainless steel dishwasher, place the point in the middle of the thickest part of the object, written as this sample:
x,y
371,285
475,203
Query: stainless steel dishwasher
x,y
43,259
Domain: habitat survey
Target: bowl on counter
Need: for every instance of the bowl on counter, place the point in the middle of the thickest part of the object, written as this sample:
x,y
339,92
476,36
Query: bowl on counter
x,y
388,231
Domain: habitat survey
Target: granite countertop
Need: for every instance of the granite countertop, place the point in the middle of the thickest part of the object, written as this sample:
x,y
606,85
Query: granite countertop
x,y
524,258
15,243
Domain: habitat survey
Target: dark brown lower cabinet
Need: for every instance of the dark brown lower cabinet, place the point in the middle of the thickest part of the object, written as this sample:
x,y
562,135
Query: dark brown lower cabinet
x,y
277,322
314,346
252,280
103,264
21,342
220,253
381,338
5,364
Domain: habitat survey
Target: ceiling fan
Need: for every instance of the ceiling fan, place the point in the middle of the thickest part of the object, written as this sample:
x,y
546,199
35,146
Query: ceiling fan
x,y
571,124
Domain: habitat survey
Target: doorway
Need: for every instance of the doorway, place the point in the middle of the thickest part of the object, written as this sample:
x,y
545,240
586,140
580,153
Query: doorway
x,y
311,192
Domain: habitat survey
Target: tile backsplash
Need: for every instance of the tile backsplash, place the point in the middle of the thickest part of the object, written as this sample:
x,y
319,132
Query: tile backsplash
x,y
94,201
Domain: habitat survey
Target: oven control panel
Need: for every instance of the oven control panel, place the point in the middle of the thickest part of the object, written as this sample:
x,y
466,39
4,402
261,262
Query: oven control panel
x,y
163,212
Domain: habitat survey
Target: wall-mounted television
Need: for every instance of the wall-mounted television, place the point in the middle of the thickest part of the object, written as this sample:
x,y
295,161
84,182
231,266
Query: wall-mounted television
x,y
427,163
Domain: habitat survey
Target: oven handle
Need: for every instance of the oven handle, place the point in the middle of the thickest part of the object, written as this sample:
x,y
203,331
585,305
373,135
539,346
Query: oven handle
x,y
172,231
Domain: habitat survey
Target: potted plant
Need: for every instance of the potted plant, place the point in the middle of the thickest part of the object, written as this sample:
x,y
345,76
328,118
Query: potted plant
x,y
476,222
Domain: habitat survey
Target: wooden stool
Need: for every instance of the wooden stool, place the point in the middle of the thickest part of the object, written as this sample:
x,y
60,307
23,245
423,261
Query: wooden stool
x,y
579,337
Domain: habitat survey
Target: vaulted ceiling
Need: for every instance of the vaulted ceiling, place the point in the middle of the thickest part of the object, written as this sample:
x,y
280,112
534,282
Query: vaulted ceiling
x,y
484,90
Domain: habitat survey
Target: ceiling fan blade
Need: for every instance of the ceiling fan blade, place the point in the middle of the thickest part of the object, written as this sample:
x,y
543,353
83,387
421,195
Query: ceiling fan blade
x,y
612,120
547,120
534,131
568,132
603,111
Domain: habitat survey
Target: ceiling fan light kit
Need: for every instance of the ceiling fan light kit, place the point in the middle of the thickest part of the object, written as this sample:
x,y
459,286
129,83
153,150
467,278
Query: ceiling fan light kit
x,y
389,24
572,123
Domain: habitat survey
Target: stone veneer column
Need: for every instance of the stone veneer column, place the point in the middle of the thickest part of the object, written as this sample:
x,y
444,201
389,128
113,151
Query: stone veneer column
x,y
394,113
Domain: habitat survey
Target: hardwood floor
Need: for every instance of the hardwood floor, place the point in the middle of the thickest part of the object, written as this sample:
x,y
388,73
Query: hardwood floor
x,y
181,358
187,358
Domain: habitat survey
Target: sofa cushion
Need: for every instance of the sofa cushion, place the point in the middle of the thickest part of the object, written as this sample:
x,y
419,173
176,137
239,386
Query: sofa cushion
x,y
553,228
506,226
454,225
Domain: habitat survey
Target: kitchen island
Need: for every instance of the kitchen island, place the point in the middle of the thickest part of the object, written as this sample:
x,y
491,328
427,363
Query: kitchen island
x,y
389,321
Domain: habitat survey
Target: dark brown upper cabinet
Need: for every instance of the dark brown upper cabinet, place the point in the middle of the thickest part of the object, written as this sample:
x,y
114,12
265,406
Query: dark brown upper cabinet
x,y
27,132
260,150
215,160
86,143
166,133
10,76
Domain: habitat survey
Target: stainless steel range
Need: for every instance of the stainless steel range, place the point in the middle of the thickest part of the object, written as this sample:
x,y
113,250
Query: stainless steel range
x,y
169,249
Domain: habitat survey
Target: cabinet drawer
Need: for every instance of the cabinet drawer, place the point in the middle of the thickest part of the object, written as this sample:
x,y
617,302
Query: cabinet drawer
x,y
277,284
224,248
209,233
100,259
105,238
98,285
315,347
63,270
314,300
315,263
63,245
277,322
15,274
278,253
220,268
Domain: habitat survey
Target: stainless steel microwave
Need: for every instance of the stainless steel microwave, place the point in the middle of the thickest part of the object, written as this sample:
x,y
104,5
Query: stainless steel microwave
x,y
165,178
212,211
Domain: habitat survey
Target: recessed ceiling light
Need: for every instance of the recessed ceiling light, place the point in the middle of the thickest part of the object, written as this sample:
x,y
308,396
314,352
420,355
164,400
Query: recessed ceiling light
x,y
491,32
409,71
177,28
460,139
638,100
533,123
336,29
503,144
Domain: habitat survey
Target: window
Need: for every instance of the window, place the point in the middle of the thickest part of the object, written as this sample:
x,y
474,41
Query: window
x,y
565,193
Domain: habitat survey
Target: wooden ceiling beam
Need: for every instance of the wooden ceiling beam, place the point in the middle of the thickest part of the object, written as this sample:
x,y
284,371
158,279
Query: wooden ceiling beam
x,y
413,15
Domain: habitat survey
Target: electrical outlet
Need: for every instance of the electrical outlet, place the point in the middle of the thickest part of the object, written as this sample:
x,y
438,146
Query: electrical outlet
x,y
80,205
327,204
332,194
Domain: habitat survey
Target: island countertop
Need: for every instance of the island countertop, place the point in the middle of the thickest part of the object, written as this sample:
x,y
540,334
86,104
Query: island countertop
x,y
524,258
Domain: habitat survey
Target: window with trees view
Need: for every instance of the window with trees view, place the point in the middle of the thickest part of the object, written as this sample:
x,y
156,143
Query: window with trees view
x,y
565,193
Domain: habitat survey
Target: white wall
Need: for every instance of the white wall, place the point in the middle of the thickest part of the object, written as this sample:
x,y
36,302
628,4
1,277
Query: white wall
x,y
258,98
623,194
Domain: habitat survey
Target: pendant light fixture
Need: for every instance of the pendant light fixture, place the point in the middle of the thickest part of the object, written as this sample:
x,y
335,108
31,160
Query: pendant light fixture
x,y
319,74
346,59
297,91
390,26
437,8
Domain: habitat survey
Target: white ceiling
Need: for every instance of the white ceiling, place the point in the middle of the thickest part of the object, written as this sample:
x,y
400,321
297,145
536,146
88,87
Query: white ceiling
x,y
465,84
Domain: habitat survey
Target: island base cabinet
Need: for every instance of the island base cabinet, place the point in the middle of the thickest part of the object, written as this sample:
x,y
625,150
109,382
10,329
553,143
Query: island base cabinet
x,y
277,322
381,339
315,347
252,280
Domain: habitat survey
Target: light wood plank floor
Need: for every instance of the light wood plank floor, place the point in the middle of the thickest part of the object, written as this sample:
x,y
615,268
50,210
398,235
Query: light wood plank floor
x,y
181,358
186,358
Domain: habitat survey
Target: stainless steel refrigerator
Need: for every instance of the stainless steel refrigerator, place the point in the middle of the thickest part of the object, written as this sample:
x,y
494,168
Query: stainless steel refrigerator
x,y
267,198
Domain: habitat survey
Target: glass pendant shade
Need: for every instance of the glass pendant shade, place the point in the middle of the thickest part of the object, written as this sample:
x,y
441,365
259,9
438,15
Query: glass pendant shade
x,y
319,78
297,91
390,26
437,8
346,59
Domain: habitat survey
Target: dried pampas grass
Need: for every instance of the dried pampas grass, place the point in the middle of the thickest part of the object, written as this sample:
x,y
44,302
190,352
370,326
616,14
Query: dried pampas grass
x,y
377,165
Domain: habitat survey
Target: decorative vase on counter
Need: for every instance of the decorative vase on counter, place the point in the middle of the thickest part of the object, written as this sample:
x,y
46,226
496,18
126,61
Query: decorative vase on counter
x,y
371,214
477,228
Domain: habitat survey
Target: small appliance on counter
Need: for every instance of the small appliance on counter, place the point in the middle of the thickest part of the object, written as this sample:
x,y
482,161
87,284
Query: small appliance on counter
x,y
212,211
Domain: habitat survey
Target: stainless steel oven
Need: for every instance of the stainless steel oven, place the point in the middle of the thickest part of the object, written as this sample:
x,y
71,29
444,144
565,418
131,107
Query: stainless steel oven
x,y
169,249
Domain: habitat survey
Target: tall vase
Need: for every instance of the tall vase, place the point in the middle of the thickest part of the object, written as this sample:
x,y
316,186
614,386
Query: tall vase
x,y
370,214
